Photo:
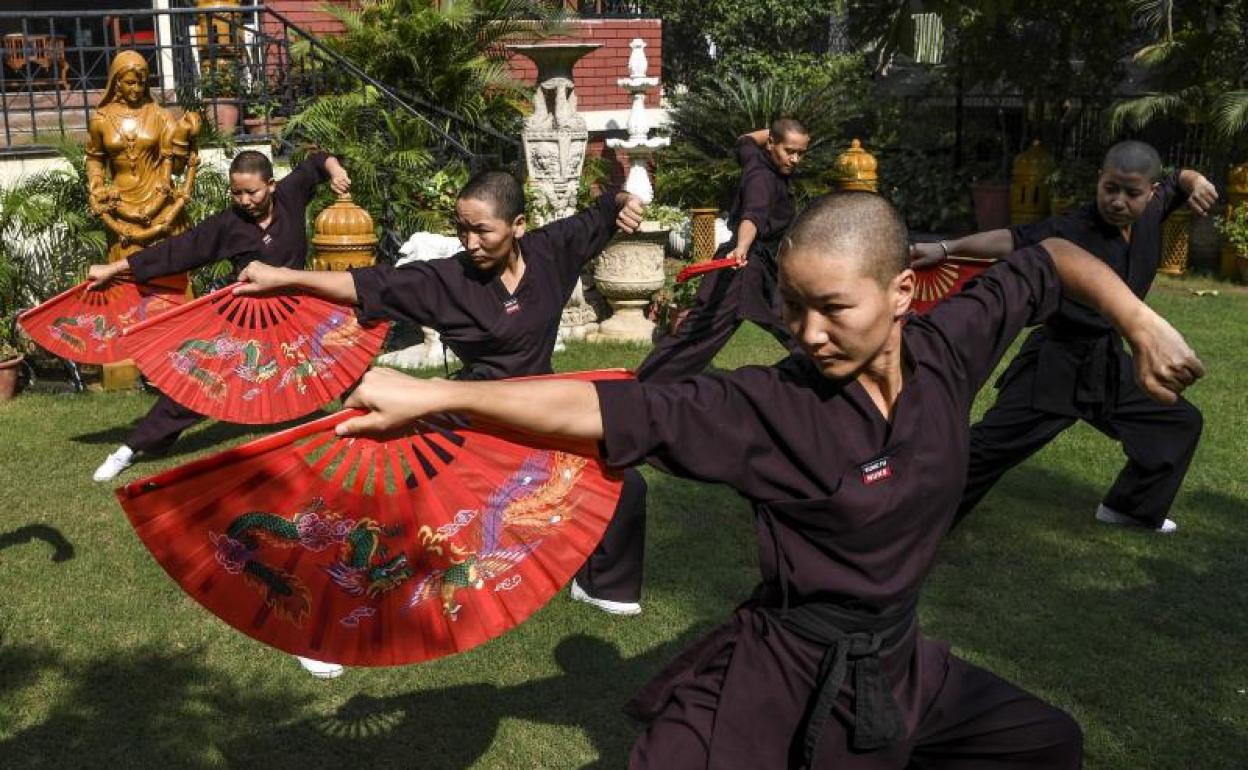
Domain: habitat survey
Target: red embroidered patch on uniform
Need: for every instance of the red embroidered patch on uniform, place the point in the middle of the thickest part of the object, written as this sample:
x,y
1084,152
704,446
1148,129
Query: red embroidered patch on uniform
x,y
875,471
511,306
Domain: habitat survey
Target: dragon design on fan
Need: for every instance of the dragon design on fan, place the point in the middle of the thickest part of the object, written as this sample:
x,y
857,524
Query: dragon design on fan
x,y
251,367
529,505
364,566
95,326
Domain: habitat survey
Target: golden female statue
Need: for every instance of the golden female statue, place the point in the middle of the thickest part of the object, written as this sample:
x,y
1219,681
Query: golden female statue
x,y
140,147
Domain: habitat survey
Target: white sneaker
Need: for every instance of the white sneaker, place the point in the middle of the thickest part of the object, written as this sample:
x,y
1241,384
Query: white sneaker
x,y
114,464
320,669
606,605
1107,515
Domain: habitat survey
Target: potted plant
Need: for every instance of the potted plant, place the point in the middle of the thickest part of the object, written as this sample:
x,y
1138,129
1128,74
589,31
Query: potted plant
x,y
219,89
1071,182
261,116
11,358
674,221
990,182
1233,227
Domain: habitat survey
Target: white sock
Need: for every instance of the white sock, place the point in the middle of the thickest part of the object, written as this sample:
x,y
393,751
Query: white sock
x,y
124,453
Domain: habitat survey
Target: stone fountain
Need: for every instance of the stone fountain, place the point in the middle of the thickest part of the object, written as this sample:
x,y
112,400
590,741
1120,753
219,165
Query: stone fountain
x,y
630,269
555,137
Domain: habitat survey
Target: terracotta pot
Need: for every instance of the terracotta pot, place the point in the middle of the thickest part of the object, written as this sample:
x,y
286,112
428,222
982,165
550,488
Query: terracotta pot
x,y
992,204
8,377
222,113
259,126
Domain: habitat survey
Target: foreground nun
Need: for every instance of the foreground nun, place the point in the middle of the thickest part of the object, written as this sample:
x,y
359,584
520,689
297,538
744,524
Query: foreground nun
x,y
854,456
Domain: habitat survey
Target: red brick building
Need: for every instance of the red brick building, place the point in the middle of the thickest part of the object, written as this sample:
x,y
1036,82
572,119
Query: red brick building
x,y
603,103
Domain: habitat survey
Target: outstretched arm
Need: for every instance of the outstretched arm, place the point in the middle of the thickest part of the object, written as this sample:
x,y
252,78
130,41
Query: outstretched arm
x,y
261,279
990,244
1164,363
186,251
565,409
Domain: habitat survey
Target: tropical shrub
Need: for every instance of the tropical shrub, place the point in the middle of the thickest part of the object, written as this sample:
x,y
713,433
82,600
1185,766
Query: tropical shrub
x,y
699,168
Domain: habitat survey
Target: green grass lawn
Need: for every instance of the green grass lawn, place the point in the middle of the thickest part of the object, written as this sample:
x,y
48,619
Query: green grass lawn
x,y
104,662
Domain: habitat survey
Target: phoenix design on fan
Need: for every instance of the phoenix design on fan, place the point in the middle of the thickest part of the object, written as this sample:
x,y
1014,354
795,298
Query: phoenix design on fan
x,y
531,504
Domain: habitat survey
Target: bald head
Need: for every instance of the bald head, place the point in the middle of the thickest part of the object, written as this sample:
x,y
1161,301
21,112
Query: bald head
x,y
858,224
1132,157
783,128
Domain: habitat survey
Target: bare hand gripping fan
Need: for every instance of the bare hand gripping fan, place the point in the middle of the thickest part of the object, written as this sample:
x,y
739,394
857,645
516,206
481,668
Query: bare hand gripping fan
x,y
85,325
376,553
254,359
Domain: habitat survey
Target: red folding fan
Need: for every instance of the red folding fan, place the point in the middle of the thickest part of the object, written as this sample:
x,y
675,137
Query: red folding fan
x,y
373,553
709,266
254,359
933,284
85,325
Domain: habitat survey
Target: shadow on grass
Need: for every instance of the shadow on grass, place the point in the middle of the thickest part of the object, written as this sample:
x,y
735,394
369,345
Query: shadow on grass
x,y
214,434
1137,634
152,707
62,549
453,727
148,707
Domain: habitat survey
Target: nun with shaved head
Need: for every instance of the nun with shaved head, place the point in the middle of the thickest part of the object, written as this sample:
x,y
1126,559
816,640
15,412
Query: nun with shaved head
x,y
853,454
1074,367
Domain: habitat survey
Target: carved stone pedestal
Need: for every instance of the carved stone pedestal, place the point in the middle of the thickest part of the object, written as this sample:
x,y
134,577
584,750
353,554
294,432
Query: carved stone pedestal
x,y
629,271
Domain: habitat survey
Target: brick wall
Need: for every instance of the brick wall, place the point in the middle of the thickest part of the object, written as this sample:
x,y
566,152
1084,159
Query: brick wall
x,y
596,73
308,15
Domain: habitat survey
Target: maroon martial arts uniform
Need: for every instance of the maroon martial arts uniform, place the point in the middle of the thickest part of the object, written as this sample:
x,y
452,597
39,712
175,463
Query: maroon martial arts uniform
x,y
825,666
727,297
1074,368
497,334
226,235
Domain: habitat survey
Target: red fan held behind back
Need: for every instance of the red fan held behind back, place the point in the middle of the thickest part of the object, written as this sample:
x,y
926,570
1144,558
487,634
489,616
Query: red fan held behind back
x,y
373,553
933,284
85,325
709,266
254,359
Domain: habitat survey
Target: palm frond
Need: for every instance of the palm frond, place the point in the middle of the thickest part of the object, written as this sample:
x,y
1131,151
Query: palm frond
x,y
1230,114
1137,112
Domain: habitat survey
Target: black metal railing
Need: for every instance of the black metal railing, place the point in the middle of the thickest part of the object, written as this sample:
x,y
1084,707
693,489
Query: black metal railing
x,y
627,9
224,61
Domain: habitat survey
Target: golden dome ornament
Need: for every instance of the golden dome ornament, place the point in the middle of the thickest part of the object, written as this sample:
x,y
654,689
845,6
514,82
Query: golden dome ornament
x,y
858,169
343,236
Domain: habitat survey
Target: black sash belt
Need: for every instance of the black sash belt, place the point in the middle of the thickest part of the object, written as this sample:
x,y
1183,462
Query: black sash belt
x,y
877,719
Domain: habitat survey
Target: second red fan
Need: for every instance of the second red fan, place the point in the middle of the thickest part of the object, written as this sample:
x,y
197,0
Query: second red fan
x,y
934,284
254,359
85,325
